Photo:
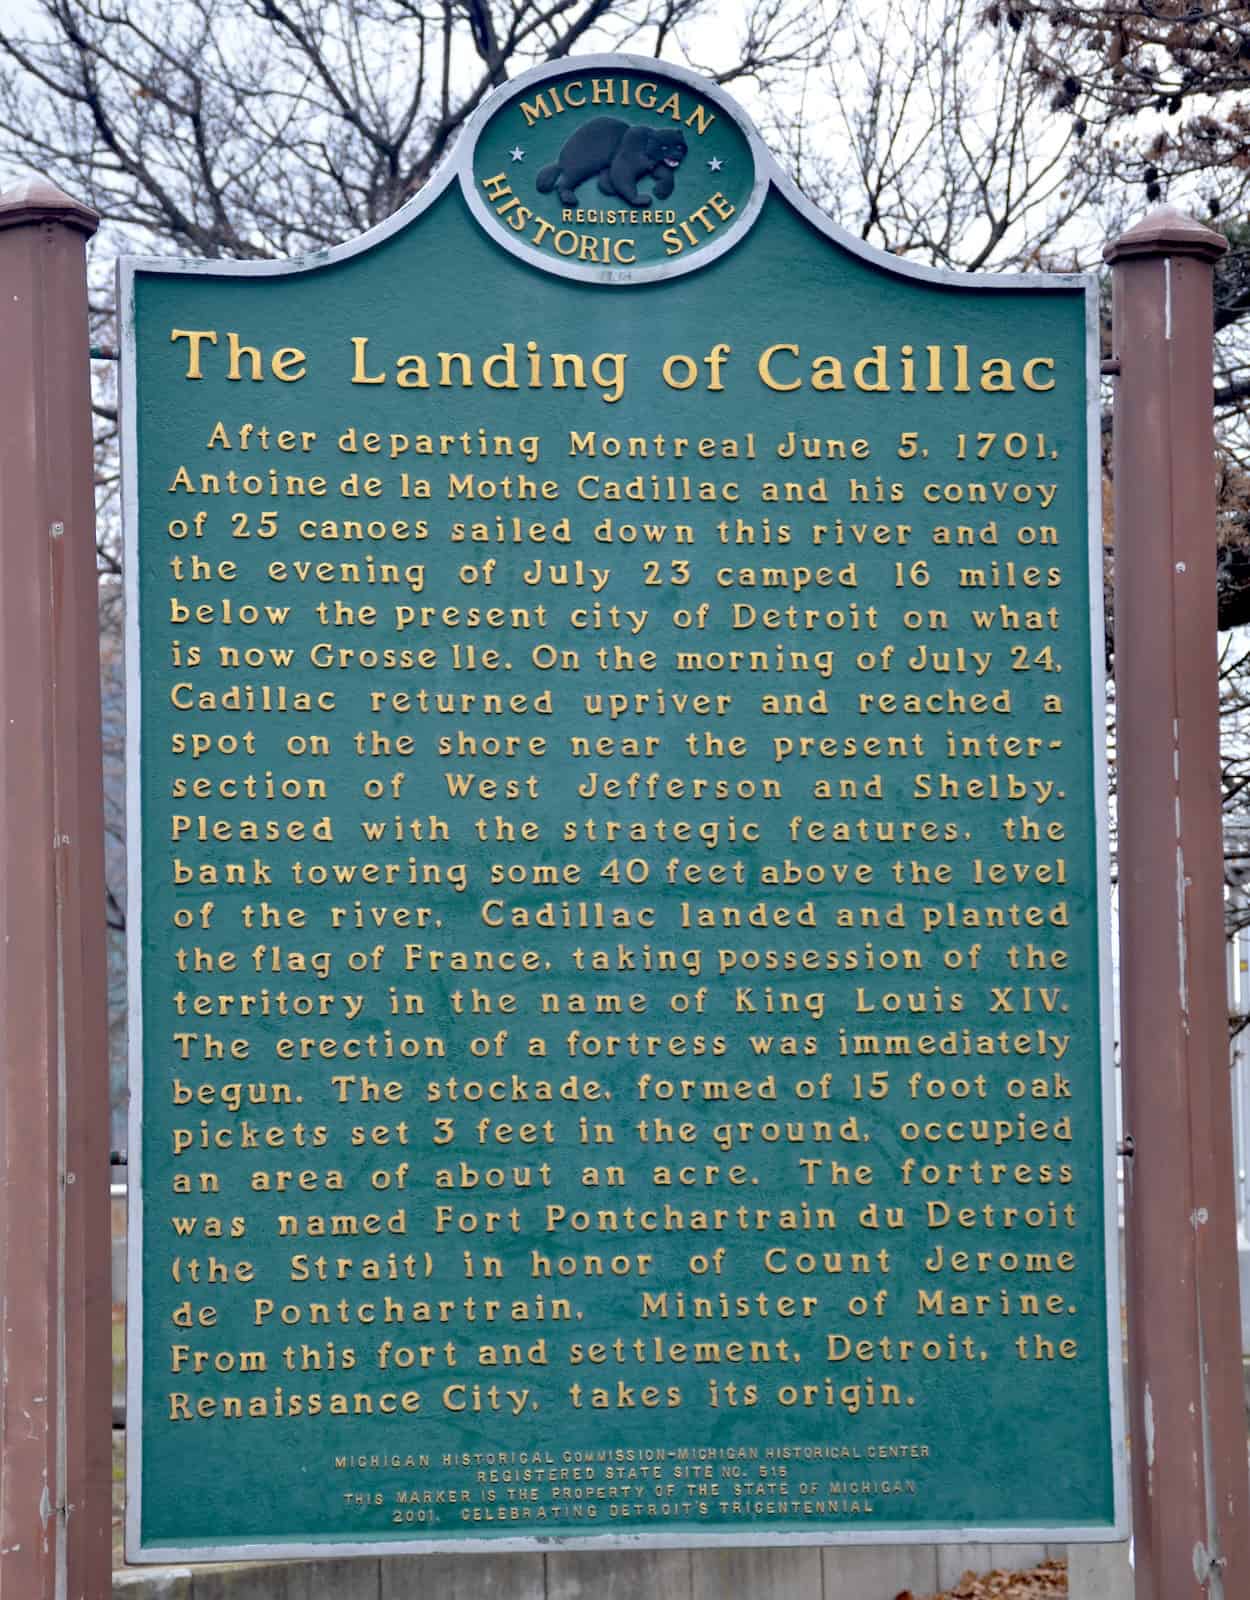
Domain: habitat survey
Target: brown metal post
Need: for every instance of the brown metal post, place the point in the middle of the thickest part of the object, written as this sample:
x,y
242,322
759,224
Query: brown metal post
x,y
55,1315
1186,1406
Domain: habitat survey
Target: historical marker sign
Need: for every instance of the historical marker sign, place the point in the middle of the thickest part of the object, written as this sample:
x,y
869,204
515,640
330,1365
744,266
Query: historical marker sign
x,y
619,892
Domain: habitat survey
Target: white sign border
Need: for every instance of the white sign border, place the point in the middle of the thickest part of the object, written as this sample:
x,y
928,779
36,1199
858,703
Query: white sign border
x,y
768,174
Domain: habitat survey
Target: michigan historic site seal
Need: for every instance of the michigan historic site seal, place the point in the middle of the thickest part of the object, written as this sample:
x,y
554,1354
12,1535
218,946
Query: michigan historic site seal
x,y
596,171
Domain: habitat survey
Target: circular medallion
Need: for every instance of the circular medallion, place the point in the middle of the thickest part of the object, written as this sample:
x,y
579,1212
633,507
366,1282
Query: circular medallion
x,y
606,169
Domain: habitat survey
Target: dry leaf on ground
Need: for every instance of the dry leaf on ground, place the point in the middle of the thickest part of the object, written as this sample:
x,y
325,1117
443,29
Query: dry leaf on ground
x,y
1048,1581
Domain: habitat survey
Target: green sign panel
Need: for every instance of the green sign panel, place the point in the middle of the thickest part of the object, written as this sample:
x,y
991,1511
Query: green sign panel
x,y
619,903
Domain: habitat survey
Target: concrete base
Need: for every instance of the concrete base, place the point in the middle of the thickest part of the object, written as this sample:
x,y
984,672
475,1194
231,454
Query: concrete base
x,y
1095,1572
1099,1572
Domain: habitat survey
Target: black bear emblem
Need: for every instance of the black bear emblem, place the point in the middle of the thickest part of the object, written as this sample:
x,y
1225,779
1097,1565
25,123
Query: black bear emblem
x,y
619,156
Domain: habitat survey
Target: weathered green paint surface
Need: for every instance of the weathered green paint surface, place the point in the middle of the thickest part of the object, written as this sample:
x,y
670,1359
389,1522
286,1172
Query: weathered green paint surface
x,y
865,1408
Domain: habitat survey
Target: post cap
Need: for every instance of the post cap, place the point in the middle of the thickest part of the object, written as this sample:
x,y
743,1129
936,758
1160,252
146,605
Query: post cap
x,y
1165,231
37,199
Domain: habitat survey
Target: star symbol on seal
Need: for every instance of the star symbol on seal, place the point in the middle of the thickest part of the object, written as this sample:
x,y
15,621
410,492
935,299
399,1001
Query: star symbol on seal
x,y
715,164
517,153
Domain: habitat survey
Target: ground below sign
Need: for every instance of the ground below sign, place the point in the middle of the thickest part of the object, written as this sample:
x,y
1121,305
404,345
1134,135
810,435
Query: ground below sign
x,y
619,870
